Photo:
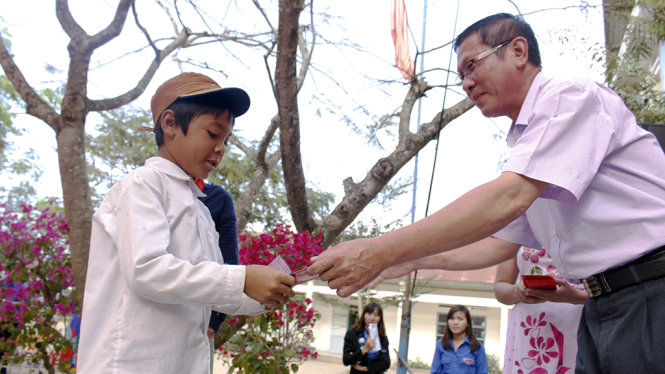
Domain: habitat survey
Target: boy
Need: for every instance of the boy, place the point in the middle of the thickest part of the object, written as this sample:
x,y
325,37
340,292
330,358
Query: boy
x,y
155,270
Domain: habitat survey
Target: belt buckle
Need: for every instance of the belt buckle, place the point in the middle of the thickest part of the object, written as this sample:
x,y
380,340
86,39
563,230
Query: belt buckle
x,y
592,286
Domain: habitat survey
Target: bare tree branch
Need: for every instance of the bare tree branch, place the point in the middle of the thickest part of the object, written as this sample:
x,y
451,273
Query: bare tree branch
x,y
267,138
144,31
516,7
71,27
114,28
263,166
181,41
269,49
248,151
244,202
168,13
416,91
302,44
358,195
265,16
35,106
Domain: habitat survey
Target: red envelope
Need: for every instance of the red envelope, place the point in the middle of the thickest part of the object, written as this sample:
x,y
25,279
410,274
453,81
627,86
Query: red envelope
x,y
302,276
539,281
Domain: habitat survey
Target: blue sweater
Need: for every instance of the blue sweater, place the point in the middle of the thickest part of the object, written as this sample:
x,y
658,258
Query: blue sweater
x,y
220,205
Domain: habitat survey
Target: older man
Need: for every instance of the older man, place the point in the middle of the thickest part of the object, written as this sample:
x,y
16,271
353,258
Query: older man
x,y
582,180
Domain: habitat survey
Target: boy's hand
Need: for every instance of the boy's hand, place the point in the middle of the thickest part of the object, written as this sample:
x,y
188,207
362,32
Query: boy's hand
x,y
268,286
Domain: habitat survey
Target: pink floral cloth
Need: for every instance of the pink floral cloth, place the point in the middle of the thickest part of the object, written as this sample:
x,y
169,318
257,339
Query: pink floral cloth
x,y
542,338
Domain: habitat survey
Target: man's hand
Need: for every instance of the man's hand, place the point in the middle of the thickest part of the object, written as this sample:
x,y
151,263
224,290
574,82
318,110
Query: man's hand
x,y
268,286
348,266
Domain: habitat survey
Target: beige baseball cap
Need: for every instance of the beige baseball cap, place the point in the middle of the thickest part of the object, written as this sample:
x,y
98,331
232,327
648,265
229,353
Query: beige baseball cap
x,y
198,88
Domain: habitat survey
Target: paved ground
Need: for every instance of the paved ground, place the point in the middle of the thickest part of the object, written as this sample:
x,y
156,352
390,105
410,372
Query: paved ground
x,y
325,364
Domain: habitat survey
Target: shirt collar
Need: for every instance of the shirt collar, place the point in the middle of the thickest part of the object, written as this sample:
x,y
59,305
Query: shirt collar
x,y
526,112
169,168
466,341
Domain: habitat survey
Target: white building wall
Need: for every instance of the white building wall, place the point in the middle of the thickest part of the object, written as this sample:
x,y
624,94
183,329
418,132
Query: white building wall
x,y
422,340
323,327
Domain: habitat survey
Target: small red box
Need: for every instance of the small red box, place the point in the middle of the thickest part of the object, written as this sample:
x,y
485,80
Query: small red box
x,y
539,281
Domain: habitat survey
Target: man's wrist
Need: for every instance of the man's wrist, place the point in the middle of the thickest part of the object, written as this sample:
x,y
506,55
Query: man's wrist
x,y
379,252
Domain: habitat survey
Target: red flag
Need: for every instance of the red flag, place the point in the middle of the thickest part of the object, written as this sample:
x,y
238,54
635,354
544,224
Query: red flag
x,y
400,31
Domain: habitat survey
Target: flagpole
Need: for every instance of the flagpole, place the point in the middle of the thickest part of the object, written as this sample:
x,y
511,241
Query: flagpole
x,y
405,327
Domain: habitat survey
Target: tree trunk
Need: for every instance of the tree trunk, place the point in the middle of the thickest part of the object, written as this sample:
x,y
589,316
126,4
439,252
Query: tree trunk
x,y
264,163
616,16
76,196
69,126
358,195
289,120
227,330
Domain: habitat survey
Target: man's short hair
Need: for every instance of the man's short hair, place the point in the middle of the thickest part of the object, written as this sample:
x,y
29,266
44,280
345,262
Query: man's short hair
x,y
501,28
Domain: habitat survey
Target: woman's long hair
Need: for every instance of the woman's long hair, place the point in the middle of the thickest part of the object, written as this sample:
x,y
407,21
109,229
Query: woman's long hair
x,y
359,326
448,335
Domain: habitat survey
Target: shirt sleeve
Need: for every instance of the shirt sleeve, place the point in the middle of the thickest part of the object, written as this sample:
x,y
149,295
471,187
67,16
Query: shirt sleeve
x,y
351,353
222,210
566,116
519,232
216,319
481,360
220,204
436,361
247,307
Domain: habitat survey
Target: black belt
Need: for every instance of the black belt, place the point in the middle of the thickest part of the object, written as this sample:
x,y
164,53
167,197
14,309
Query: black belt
x,y
645,268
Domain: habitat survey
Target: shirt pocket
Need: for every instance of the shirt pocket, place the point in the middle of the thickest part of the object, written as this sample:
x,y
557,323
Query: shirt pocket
x,y
447,359
469,361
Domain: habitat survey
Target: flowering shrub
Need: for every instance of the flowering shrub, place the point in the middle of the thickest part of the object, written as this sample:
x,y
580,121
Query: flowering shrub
x,y
276,341
37,286
295,248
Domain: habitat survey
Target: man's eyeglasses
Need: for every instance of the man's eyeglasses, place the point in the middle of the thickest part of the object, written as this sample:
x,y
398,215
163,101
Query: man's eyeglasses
x,y
470,66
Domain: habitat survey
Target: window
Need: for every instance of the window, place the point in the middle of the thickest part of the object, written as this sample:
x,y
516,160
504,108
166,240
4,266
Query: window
x,y
478,323
338,329
479,327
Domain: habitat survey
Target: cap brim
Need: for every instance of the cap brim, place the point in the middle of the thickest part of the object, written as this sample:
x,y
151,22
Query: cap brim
x,y
236,99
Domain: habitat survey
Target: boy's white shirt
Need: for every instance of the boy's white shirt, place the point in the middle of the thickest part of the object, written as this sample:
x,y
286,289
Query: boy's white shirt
x,y
155,272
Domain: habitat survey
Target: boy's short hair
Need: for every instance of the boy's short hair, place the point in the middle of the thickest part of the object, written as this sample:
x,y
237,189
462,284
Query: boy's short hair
x,y
199,94
184,111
